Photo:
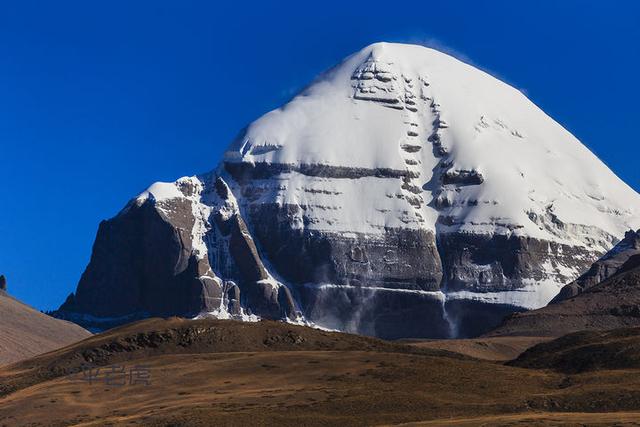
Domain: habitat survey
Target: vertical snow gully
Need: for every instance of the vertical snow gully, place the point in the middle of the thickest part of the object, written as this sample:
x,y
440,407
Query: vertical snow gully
x,y
452,327
451,321
435,186
287,296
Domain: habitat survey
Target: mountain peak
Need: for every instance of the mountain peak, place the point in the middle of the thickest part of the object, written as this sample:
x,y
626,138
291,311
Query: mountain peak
x,y
403,193
476,152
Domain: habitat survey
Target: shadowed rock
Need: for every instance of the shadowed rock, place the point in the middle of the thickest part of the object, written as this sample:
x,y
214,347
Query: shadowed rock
x,y
607,266
613,303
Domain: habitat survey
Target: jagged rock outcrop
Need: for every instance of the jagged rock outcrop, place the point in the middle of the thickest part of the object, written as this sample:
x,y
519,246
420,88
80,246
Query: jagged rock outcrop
x,y
587,303
403,193
3,283
143,258
152,260
610,264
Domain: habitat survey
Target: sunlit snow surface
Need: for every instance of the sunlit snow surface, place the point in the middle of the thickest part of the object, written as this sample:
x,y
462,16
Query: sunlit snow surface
x,y
532,167
415,111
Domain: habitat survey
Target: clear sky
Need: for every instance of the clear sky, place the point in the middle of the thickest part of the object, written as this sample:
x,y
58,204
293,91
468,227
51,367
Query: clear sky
x,y
98,99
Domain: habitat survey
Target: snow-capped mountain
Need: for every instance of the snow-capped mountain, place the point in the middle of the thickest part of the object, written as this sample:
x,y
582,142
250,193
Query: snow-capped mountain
x,y
402,193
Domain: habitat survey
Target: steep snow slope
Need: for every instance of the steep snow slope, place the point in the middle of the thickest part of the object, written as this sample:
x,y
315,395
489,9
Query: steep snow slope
x,y
475,156
387,106
403,193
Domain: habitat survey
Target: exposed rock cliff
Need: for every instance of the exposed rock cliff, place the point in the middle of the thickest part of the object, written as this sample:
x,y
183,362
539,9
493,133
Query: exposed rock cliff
x,y
607,296
610,264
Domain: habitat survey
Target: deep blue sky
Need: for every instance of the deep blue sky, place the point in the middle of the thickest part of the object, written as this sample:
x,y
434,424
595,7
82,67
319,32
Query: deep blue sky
x,y
98,99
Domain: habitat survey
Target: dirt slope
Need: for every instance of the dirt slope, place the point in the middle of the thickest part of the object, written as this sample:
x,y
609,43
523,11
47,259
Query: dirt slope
x,y
490,348
25,332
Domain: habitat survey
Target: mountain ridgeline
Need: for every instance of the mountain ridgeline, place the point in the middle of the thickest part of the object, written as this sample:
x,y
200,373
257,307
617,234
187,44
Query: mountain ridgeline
x,y
607,296
402,194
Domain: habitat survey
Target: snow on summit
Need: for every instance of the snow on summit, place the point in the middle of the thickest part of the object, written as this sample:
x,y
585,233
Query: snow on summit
x,y
506,166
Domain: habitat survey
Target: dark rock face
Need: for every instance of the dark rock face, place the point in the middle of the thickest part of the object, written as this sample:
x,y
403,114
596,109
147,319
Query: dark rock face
x,y
363,271
402,259
482,263
462,177
142,263
243,172
393,315
146,262
379,284
607,266
375,312
262,297
613,303
3,283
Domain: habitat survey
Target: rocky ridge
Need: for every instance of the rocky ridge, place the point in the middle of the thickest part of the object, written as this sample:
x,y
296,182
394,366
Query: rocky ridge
x,y
606,297
609,265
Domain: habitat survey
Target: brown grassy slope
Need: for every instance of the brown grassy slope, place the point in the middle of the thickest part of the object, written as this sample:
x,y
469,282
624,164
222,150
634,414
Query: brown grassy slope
x,y
585,351
490,348
156,337
25,332
542,419
227,373
280,388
